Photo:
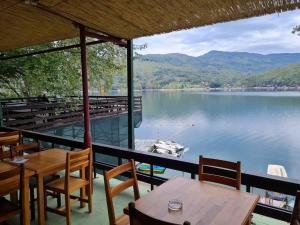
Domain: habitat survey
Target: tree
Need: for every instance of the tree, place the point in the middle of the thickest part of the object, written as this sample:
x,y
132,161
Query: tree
x,y
59,73
296,30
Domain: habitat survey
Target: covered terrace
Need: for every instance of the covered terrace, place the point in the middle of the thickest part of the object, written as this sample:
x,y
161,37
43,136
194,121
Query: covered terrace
x,y
32,22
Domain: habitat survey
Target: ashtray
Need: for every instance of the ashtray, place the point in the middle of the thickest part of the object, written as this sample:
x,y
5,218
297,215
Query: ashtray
x,y
175,205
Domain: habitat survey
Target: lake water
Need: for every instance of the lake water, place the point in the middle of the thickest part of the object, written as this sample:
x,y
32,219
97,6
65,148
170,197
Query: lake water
x,y
257,128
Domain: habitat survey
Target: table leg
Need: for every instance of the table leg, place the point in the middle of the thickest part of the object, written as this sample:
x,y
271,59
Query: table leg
x,y
41,207
25,203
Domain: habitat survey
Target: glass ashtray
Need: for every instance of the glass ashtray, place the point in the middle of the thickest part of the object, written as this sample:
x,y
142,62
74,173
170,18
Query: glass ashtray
x,y
175,205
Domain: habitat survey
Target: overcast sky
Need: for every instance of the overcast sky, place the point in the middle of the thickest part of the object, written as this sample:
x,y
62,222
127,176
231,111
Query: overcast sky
x,y
266,34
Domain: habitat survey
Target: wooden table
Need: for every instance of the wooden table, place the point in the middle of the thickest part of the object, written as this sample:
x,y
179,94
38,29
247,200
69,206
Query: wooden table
x,y
45,163
203,203
13,185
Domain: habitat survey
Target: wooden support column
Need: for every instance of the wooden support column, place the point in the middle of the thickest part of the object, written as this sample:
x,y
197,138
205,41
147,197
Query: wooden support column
x,y
130,94
85,88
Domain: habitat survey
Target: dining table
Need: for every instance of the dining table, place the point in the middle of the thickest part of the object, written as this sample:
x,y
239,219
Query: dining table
x,y
203,203
13,185
45,163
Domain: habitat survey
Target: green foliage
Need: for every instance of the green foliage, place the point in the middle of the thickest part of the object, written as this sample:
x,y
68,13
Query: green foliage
x,y
296,30
58,73
285,76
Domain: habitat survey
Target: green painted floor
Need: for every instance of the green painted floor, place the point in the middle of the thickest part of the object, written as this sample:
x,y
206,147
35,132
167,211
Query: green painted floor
x,y
99,216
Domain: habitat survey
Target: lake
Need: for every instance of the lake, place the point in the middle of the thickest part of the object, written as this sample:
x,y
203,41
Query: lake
x,y
257,128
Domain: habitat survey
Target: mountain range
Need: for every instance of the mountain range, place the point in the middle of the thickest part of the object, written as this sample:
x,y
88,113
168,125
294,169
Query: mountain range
x,y
216,69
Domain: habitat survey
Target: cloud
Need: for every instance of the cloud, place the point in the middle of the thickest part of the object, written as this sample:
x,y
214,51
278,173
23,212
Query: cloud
x,y
265,35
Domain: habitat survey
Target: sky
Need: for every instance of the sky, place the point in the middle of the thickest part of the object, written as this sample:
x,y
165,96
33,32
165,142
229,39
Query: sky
x,y
264,35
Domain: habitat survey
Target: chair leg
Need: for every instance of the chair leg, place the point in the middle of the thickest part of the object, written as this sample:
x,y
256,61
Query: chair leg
x,y
89,188
68,208
32,207
58,200
45,204
83,189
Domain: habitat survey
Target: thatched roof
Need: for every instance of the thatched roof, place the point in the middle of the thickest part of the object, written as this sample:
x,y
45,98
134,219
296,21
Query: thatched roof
x,y
48,20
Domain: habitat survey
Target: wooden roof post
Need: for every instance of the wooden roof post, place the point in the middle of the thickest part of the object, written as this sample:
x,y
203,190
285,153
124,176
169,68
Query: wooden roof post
x,y
85,88
130,94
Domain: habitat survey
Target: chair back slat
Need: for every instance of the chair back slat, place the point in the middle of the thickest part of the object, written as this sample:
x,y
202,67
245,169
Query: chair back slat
x,y
111,192
295,220
121,187
34,146
19,149
219,179
234,167
10,138
139,218
10,173
9,177
119,170
220,163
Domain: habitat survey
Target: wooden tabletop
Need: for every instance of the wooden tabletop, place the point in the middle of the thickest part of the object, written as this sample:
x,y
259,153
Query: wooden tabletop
x,y
46,161
203,203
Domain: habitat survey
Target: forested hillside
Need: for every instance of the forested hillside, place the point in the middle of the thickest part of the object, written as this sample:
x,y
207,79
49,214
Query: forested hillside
x,y
216,69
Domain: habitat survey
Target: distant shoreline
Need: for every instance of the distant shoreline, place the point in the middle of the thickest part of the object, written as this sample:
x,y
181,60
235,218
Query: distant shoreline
x,y
233,89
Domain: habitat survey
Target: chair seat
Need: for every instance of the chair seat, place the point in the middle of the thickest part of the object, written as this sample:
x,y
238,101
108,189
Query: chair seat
x,y
58,185
123,220
47,179
7,209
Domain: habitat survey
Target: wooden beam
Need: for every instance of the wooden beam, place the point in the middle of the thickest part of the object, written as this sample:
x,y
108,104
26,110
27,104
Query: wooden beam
x,y
114,40
85,88
130,94
50,50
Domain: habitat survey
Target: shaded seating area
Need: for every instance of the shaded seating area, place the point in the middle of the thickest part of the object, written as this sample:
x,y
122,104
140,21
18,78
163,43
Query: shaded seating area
x,y
120,22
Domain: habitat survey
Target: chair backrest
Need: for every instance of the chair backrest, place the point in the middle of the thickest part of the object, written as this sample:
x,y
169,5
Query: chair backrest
x,y
9,176
111,192
10,138
234,167
295,220
139,218
19,149
79,161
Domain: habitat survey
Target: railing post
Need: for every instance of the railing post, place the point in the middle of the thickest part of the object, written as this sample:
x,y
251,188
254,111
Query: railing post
x,y
151,174
130,94
193,176
1,115
248,188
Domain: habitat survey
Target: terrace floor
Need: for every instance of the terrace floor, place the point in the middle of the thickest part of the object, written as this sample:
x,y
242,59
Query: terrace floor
x,y
99,216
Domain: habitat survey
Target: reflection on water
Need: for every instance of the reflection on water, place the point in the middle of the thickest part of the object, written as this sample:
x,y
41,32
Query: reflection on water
x,y
257,128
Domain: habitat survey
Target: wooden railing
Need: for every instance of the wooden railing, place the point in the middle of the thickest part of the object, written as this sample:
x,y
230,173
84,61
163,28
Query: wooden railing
x,y
39,113
250,180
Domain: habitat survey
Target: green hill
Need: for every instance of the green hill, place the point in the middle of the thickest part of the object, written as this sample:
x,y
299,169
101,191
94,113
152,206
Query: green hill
x,y
284,76
215,69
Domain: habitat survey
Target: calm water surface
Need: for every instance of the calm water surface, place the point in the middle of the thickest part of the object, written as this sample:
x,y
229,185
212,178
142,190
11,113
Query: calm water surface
x,y
257,128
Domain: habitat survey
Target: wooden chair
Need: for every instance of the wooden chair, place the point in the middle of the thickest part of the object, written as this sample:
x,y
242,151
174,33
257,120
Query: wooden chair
x,y
111,192
8,208
9,139
75,161
139,218
35,147
234,168
295,220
